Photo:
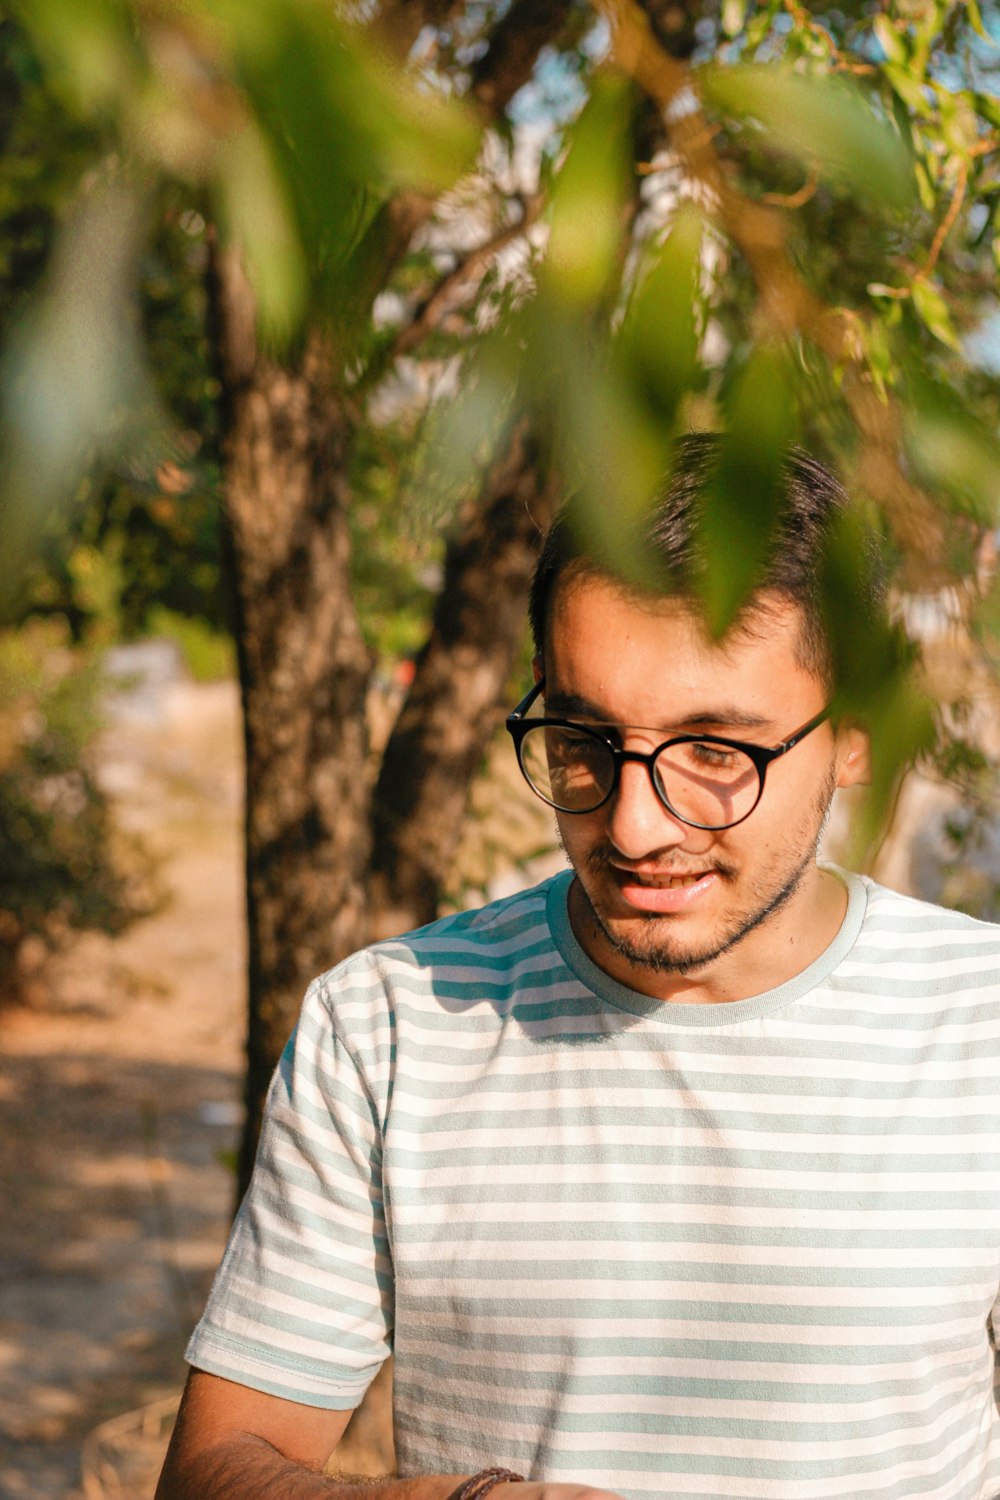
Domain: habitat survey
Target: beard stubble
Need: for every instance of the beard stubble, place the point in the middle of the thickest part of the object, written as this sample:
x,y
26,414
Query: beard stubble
x,y
657,951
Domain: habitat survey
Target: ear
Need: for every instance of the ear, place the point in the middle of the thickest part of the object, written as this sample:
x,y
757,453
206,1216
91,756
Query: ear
x,y
854,758
537,668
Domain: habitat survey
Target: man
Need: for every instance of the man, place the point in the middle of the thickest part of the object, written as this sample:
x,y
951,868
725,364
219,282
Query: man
x,y
674,1176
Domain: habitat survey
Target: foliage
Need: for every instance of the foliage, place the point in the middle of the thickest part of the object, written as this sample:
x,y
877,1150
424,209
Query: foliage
x,y
57,871
800,250
209,655
146,529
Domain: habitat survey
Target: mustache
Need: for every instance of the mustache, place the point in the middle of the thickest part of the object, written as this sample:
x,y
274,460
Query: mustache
x,y
604,857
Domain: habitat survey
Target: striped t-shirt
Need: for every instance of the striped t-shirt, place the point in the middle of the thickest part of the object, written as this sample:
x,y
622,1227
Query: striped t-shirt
x,y
748,1249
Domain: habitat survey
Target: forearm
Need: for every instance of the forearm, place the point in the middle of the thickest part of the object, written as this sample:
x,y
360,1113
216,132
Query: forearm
x,y
244,1467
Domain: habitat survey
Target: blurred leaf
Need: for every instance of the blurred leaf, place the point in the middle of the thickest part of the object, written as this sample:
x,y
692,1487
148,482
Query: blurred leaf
x,y
587,198
317,82
872,665
824,120
612,452
867,656
74,377
976,19
741,502
89,46
337,130
890,40
953,453
256,214
932,311
925,188
958,123
660,331
988,107
901,729
464,430
910,88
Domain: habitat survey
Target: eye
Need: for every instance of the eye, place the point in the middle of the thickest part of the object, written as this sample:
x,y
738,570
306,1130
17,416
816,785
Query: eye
x,y
576,745
707,753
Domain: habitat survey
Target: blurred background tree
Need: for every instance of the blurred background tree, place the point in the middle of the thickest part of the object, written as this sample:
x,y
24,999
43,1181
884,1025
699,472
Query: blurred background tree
x,y
313,310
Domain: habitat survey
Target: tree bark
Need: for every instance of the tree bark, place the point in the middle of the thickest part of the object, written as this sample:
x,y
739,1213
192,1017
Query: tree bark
x,y
304,673
304,668
459,689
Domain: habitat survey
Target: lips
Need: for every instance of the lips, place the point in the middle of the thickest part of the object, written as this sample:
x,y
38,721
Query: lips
x,y
662,892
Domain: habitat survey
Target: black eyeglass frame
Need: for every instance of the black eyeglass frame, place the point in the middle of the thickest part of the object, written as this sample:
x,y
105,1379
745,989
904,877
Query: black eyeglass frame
x,y
761,755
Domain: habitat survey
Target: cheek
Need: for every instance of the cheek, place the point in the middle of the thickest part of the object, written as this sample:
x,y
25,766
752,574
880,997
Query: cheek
x,y
580,833
570,828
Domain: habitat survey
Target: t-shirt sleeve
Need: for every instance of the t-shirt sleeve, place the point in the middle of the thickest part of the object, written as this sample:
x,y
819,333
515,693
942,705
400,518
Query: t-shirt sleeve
x,y
302,1304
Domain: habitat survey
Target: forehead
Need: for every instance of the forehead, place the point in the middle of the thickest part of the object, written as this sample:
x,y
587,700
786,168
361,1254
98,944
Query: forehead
x,y
652,660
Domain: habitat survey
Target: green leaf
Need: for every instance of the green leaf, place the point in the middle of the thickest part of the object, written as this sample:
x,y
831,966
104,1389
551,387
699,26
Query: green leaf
x,y
911,89
932,311
89,48
890,40
610,449
871,664
659,336
741,505
975,16
75,382
928,198
952,453
257,216
587,199
959,125
988,107
824,120
336,117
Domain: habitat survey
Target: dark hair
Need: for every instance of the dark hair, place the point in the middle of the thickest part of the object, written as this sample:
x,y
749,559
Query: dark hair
x,y
810,503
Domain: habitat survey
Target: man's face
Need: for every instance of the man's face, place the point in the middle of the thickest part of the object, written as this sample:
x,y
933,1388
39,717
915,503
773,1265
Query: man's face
x,y
656,899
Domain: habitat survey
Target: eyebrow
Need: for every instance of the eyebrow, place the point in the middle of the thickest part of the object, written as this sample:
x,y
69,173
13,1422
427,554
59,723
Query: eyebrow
x,y
572,705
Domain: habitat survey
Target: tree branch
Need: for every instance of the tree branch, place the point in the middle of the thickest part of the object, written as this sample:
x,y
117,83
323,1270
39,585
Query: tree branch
x,y
507,66
400,22
450,291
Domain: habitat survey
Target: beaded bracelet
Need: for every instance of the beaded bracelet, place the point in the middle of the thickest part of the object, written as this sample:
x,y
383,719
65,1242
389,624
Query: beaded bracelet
x,y
479,1486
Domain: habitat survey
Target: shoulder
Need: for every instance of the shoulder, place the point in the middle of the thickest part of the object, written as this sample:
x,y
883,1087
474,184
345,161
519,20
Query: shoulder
x,y
468,948
924,959
923,922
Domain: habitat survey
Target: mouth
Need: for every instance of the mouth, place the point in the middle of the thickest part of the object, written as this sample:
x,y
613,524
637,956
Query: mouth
x,y
662,892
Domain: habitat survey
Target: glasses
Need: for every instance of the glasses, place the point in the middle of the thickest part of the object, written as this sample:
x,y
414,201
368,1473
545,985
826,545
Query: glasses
x,y
705,780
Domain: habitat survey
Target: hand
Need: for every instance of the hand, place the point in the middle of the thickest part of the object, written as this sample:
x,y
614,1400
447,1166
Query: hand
x,y
546,1489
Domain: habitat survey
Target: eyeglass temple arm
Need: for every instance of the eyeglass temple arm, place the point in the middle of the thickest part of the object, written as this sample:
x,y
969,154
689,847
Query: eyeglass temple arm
x,y
800,734
526,702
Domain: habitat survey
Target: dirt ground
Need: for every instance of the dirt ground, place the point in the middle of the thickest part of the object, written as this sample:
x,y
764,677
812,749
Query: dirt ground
x,y
118,1113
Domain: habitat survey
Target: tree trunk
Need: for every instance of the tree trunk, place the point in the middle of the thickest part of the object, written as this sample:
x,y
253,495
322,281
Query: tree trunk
x,y
458,691
304,674
304,668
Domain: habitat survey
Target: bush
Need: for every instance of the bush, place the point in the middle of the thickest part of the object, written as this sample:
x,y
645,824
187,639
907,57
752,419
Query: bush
x,y
58,870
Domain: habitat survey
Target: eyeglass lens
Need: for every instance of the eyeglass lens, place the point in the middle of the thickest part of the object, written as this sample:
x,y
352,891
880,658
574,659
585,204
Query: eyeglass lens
x,y
703,783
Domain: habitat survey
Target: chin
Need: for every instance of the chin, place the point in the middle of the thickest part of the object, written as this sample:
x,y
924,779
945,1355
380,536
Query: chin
x,y
649,940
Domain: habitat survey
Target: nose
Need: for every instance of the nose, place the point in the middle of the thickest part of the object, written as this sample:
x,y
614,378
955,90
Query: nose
x,y
638,822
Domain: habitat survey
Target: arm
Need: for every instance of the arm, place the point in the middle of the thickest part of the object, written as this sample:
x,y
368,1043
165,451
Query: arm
x,y
230,1441
233,1443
